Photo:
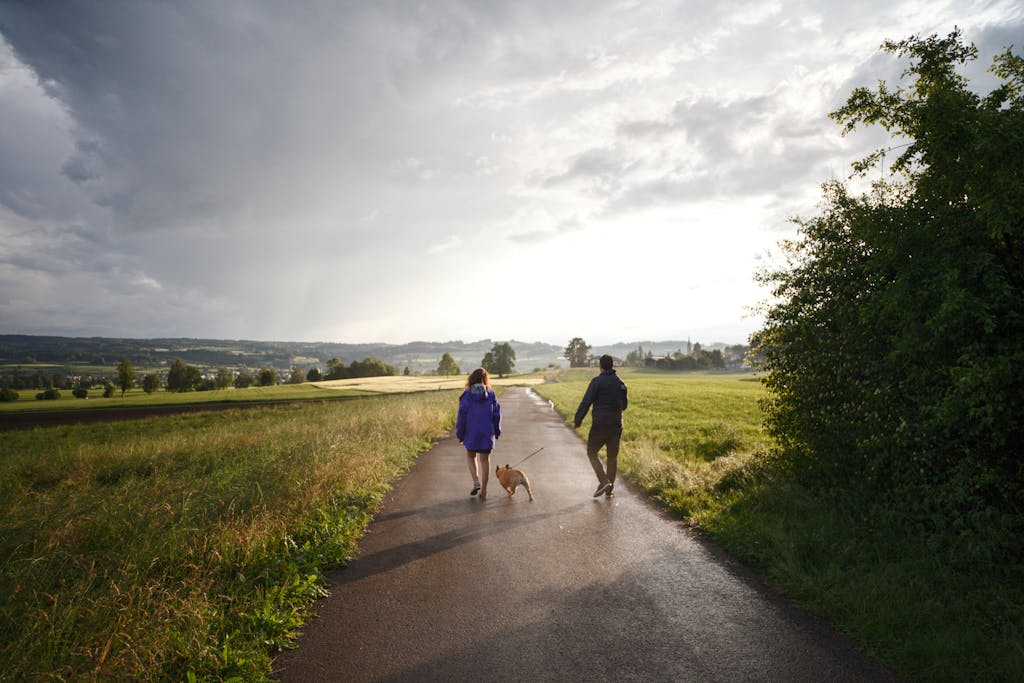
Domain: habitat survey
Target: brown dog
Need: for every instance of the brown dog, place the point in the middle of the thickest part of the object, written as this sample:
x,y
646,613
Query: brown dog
x,y
511,479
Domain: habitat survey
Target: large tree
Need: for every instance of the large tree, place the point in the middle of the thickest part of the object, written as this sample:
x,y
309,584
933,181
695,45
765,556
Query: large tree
x,y
223,379
447,366
336,369
894,350
577,353
183,377
500,359
151,382
125,375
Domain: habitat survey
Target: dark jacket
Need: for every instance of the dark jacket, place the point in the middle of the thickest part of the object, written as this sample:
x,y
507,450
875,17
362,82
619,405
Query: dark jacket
x,y
607,393
479,421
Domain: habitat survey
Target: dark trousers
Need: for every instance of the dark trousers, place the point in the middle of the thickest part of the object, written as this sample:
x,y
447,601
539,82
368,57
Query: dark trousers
x,y
609,437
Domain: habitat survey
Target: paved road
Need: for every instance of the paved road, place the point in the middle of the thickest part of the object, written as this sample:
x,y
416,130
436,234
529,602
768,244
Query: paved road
x,y
568,587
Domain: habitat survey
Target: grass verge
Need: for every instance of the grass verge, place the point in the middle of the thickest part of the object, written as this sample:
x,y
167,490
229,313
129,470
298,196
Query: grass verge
x,y
933,607
189,546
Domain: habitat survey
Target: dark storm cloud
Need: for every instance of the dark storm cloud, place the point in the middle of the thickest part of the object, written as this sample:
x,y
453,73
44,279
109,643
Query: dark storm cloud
x,y
181,110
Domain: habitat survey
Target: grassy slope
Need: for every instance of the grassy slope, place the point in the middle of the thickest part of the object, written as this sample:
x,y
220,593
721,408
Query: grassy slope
x,y
152,548
929,607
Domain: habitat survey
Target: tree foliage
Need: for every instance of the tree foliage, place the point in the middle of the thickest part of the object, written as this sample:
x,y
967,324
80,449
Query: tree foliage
x,y
368,367
125,375
577,353
447,366
267,377
499,360
894,348
183,377
223,379
151,382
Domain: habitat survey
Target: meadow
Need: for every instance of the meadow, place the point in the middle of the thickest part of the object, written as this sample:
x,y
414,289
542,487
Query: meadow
x,y
189,547
931,608
341,388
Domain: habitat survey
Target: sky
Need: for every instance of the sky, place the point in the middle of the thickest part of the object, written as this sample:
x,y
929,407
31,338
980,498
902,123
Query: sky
x,y
446,170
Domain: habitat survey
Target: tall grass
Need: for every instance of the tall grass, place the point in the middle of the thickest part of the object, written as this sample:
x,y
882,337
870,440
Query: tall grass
x,y
934,607
685,436
136,398
165,547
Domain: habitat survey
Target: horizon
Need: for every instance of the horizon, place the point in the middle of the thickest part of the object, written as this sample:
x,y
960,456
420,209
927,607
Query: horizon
x,y
703,342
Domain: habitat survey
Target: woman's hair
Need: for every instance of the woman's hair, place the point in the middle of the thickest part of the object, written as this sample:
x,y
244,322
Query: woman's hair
x,y
479,376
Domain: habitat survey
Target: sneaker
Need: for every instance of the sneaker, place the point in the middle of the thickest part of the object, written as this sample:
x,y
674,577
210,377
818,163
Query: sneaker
x,y
476,490
609,493
603,488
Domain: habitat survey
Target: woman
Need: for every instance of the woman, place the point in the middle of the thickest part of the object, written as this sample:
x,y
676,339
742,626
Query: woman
x,y
477,427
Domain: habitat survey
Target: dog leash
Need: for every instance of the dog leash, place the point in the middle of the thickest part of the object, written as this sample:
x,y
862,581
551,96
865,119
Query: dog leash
x,y
528,457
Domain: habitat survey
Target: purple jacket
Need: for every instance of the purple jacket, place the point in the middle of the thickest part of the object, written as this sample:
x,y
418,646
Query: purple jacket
x,y
479,422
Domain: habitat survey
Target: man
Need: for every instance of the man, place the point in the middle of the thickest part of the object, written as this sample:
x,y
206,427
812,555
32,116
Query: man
x,y
607,393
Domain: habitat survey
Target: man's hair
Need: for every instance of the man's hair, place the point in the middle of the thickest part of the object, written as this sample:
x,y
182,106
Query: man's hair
x,y
606,362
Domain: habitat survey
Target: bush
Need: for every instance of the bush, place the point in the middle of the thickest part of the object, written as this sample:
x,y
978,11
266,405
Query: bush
x,y
894,348
48,395
8,394
108,390
150,383
80,392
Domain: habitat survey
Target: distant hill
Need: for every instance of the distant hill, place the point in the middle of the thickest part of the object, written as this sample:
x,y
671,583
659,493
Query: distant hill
x,y
19,351
78,353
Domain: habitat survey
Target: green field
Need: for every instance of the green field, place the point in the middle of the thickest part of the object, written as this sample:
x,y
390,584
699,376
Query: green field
x,y
163,546
137,398
684,432
930,608
160,547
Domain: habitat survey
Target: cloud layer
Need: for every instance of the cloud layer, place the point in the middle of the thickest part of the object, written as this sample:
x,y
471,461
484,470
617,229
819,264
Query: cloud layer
x,y
393,171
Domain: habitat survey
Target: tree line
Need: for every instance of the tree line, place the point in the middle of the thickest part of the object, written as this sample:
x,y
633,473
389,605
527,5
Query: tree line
x,y
500,361
577,352
182,377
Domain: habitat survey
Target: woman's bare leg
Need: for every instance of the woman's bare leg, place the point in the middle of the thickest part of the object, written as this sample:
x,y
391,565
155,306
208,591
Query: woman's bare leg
x,y
485,467
471,461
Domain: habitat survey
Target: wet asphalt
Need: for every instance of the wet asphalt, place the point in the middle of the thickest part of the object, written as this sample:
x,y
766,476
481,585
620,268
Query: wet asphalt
x,y
448,587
